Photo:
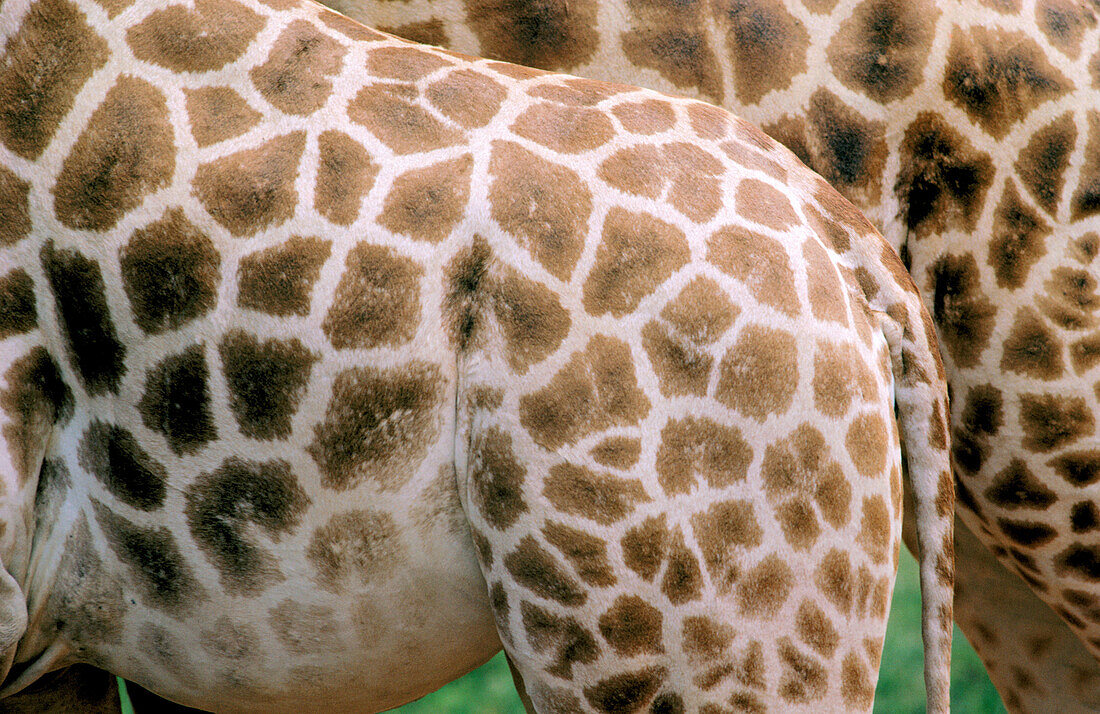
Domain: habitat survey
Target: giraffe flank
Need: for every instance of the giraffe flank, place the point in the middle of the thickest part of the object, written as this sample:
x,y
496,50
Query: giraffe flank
x,y
968,132
327,359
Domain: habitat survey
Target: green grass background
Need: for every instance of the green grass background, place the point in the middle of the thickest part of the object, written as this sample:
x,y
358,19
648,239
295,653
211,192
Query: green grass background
x,y
488,689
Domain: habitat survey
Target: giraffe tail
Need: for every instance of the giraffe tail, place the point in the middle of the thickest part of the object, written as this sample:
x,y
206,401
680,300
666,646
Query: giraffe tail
x,y
921,403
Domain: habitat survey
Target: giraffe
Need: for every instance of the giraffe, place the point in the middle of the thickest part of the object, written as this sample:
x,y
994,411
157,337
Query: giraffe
x,y
331,364
967,132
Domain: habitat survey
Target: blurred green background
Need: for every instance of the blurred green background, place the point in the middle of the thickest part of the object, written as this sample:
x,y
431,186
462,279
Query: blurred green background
x,y
488,690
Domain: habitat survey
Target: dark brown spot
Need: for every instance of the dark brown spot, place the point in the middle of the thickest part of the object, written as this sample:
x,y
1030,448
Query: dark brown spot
x,y
1027,534
162,576
1016,487
345,173
1071,299
998,77
536,569
601,497
296,76
545,207
1079,468
116,458
206,38
496,478
943,179
1079,561
398,121
378,425
252,189
18,311
627,692
125,152
675,46
427,203
1086,199
586,553
217,114
550,34
704,638
46,60
766,43
170,271
632,626
176,402
724,532
225,507
279,280
354,548
693,447
1065,22
1018,240
377,301
1031,348
982,417
758,375
425,32
570,642
1050,421
35,399
14,202
81,301
816,629
762,263
266,381
1043,162
857,685
1084,517
596,389
963,313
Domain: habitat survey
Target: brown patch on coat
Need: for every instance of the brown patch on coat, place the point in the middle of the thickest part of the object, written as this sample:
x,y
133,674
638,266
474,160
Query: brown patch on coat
x,y
767,45
345,173
545,207
355,548
14,206
762,590
724,532
869,443
626,692
130,474
962,311
496,478
296,78
392,113
1042,164
1018,240
564,129
1086,199
176,401
552,35
467,97
646,117
45,62
618,452
266,380
36,398
305,629
841,378
632,627
569,641
637,254
404,63
683,580
377,301
170,271
671,39
217,114
80,298
943,179
645,545
18,310
698,446
1070,299
875,529
585,552
600,497
758,375
1050,421
595,390
202,39
378,425
882,48
759,261
536,569
1031,348
279,280
998,77
427,203
125,152
253,189
424,32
